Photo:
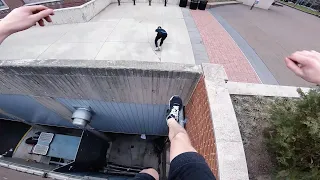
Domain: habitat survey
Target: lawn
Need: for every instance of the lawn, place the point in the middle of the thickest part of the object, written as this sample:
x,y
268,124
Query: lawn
x,y
302,8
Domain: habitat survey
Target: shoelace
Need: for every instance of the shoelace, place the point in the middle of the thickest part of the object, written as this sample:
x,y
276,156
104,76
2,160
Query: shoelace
x,y
175,112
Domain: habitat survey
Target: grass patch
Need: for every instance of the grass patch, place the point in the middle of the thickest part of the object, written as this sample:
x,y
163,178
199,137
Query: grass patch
x,y
302,8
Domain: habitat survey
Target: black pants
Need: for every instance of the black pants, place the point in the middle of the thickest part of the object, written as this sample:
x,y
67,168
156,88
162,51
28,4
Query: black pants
x,y
160,36
186,166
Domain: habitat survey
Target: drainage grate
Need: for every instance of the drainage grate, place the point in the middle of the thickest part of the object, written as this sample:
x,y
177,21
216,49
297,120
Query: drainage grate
x,y
40,149
45,138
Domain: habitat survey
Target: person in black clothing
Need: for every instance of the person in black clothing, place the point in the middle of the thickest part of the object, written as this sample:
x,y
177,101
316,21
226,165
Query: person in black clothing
x,y
161,34
185,162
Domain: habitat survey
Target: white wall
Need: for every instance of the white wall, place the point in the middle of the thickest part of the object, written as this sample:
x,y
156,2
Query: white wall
x,y
79,14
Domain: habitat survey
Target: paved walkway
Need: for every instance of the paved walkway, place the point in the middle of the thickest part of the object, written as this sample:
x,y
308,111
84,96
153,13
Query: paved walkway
x,y
222,49
123,32
8,174
274,34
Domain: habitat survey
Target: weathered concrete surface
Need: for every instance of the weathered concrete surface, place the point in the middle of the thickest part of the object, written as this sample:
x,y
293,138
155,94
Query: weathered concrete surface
x,y
123,32
79,14
230,153
263,90
275,34
113,81
9,174
125,96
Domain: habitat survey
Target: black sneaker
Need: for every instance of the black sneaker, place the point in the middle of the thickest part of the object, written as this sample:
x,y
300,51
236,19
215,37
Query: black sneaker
x,y
175,106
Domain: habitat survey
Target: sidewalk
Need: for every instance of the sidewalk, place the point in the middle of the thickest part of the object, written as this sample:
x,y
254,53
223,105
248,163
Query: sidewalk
x,y
222,49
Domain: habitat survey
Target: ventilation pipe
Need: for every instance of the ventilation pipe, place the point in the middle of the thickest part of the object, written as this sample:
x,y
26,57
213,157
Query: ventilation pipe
x,y
81,118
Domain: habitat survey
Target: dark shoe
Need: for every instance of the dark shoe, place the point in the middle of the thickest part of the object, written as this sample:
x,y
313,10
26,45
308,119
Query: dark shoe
x,y
175,106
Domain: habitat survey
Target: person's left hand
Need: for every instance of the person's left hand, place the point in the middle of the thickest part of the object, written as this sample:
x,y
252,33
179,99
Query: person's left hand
x,y
23,18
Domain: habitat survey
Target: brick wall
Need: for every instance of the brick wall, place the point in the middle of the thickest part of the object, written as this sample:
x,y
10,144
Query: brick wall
x,y
199,125
54,5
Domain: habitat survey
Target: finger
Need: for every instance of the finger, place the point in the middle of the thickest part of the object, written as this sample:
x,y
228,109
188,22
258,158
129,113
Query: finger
x,y
293,67
315,53
41,22
36,8
299,57
48,19
306,53
42,14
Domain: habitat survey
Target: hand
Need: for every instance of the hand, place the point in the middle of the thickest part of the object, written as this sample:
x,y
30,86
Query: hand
x,y
305,64
23,18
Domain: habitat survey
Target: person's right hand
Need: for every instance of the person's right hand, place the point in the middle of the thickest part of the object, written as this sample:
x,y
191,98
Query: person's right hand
x,y
305,64
25,17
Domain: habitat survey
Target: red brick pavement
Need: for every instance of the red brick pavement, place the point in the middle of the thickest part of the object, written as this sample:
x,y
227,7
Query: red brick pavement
x,y
222,49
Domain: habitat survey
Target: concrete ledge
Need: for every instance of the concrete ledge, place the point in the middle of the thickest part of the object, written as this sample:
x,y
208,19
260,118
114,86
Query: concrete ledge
x,y
266,4
263,90
110,81
174,2
79,14
217,4
9,66
230,152
36,172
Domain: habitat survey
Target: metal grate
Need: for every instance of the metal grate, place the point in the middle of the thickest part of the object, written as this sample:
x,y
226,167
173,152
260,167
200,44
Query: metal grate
x,y
45,138
40,149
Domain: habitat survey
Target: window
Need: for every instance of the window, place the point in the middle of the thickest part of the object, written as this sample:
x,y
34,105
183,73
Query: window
x,y
38,1
3,5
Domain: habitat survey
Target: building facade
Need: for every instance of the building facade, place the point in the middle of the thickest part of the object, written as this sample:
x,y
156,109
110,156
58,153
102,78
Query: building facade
x,y
8,5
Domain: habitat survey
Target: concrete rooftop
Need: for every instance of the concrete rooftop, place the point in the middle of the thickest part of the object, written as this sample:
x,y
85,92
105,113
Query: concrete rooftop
x,y
123,32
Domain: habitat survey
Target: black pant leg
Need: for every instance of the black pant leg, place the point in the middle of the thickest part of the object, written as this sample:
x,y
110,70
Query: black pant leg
x,y
164,36
190,166
143,176
156,39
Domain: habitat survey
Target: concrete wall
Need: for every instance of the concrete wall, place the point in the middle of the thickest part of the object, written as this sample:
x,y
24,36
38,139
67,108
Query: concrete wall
x,y
55,4
263,4
127,97
229,152
79,14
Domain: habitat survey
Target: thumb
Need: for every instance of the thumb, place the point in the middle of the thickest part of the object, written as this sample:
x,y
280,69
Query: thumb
x,y
293,67
42,14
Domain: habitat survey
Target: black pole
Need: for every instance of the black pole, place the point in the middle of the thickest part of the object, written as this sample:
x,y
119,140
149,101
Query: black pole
x,y
149,2
118,2
134,2
165,2
252,6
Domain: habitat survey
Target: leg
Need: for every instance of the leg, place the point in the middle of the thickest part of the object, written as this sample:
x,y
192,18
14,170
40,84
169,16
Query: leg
x,y
180,142
185,162
156,39
147,174
162,39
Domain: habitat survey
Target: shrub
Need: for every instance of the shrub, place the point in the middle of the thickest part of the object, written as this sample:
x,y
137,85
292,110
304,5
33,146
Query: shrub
x,y
295,136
